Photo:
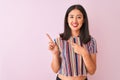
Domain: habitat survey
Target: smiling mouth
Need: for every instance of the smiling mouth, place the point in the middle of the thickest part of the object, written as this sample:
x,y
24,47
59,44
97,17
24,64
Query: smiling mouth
x,y
75,25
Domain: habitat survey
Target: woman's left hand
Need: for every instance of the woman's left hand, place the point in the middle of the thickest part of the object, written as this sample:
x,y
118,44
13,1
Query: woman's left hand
x,y
79,49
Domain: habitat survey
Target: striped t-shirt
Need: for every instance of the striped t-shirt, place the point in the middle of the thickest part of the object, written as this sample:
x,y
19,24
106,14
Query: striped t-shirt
x,y
72,64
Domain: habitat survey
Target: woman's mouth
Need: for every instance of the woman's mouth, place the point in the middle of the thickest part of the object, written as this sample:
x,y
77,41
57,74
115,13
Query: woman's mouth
x,y
74,24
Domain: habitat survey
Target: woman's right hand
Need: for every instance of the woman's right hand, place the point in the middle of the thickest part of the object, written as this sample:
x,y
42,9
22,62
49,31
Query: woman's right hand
x,y
52,46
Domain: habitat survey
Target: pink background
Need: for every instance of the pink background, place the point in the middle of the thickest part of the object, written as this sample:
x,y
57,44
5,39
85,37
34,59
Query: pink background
x,y
23,42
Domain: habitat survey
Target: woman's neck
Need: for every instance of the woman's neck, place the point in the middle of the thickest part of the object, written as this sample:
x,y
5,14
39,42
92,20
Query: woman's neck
x,y
75,34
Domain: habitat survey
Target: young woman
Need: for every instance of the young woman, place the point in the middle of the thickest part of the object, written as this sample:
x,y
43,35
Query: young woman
x,y
74,51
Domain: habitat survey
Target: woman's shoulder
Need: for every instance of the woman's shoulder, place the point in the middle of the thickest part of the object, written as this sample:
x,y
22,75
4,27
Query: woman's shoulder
x,y
58,37
92,40
92,45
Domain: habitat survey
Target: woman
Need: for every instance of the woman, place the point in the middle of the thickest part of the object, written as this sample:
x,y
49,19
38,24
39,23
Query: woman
x,y
74,51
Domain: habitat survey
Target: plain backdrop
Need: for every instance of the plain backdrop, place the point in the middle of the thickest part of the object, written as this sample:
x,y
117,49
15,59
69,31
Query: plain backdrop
x,y
24,53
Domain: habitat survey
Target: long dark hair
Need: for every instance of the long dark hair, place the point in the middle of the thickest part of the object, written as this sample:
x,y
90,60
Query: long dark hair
x,y
84,30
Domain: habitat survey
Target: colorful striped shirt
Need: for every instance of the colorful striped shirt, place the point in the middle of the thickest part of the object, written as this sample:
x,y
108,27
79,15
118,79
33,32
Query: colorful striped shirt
x,y
72,64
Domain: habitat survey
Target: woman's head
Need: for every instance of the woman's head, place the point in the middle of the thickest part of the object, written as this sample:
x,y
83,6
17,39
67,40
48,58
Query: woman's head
x,y
76,20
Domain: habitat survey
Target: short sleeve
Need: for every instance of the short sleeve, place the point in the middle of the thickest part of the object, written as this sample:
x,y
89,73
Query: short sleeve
x,y
92,46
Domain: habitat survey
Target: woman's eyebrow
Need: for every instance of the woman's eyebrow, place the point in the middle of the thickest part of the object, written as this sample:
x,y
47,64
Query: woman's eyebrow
x,y
70,15
79,15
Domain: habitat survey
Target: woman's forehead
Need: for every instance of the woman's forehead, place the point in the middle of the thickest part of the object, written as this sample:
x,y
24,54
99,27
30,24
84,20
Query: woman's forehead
x,y
75,12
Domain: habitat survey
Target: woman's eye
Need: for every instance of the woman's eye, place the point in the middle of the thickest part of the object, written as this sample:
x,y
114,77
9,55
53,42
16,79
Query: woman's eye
x,y
71,16
79,17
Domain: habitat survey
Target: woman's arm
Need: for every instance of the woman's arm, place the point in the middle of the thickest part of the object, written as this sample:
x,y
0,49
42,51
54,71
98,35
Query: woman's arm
x,y
90,62
56,62
88,58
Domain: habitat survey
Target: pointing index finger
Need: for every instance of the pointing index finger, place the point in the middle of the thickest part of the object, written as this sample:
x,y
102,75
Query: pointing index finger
x,y
49,37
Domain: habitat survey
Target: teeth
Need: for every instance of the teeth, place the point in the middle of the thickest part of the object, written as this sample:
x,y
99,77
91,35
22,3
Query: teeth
x,y
74,24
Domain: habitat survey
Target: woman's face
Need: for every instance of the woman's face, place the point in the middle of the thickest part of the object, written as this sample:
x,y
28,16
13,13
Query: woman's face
x,y
75,20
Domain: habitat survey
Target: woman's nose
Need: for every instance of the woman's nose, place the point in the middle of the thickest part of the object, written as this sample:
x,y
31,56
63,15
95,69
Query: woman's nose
x,y
75,20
